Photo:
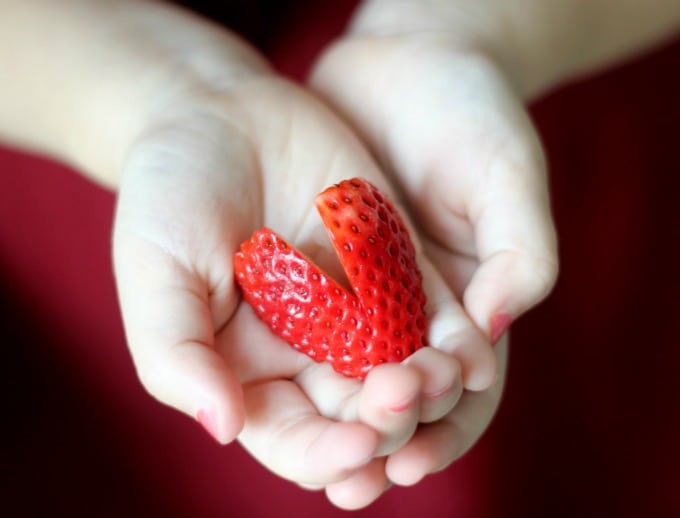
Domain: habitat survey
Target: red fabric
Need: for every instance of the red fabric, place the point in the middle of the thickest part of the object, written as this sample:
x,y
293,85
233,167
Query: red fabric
x,y
588,425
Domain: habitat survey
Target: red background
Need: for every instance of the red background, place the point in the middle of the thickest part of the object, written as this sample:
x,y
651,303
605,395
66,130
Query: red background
x,y
589,423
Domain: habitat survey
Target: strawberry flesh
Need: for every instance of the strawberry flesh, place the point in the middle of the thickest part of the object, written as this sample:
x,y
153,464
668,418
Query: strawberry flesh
x,y
381,320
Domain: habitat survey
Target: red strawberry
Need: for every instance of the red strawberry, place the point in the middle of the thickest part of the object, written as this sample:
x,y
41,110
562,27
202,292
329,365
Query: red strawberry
x,y
383,320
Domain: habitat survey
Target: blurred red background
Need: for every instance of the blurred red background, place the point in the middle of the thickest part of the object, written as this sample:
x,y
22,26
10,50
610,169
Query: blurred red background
x,y
589,422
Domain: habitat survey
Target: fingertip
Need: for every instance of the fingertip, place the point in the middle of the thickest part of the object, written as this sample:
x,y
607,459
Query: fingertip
x,y
438,370
441,382
225,407
351,445
434,447
409,465
222,424
391,386
195,380
407,477
389,403
361,489
498,326
453,331
476,357
484,373
506,285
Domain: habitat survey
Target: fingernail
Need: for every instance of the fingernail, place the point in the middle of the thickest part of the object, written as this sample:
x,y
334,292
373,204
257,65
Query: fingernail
x,y
402,407
440,392
499,325
208,420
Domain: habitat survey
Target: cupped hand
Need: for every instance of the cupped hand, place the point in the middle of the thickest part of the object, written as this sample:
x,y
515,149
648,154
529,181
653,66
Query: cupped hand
x,y
423,85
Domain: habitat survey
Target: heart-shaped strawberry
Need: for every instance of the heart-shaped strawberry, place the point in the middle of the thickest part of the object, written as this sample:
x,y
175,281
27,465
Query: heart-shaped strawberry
x,y
381,320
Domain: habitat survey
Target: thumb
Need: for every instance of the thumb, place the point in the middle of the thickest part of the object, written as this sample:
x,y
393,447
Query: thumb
x,y
463,150
173,238
515,242
170,334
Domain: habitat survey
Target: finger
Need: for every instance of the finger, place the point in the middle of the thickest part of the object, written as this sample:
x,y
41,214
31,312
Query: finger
x,y
441,382
169,330
516,243
452,331
510,264
176,289
436,445
285,432
360,489
387,400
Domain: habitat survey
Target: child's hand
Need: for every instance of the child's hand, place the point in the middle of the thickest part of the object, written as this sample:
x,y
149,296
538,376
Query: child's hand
x,y
443,119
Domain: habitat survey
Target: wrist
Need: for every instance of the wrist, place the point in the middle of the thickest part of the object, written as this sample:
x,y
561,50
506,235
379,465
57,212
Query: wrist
x,y
473,29
537,44
117,65
178,60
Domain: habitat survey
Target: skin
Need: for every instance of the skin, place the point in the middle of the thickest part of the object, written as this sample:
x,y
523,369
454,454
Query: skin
x,y
207,144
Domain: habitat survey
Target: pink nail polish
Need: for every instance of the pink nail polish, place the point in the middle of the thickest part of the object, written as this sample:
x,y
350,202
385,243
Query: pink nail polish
x,y
402,407
440,392
208,420
499,325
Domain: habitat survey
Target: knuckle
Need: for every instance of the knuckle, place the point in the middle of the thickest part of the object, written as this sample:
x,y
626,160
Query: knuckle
x,y
544,272
151,376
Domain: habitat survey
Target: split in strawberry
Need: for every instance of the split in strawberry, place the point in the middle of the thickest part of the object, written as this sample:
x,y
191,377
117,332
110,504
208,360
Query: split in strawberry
x,y
381,320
